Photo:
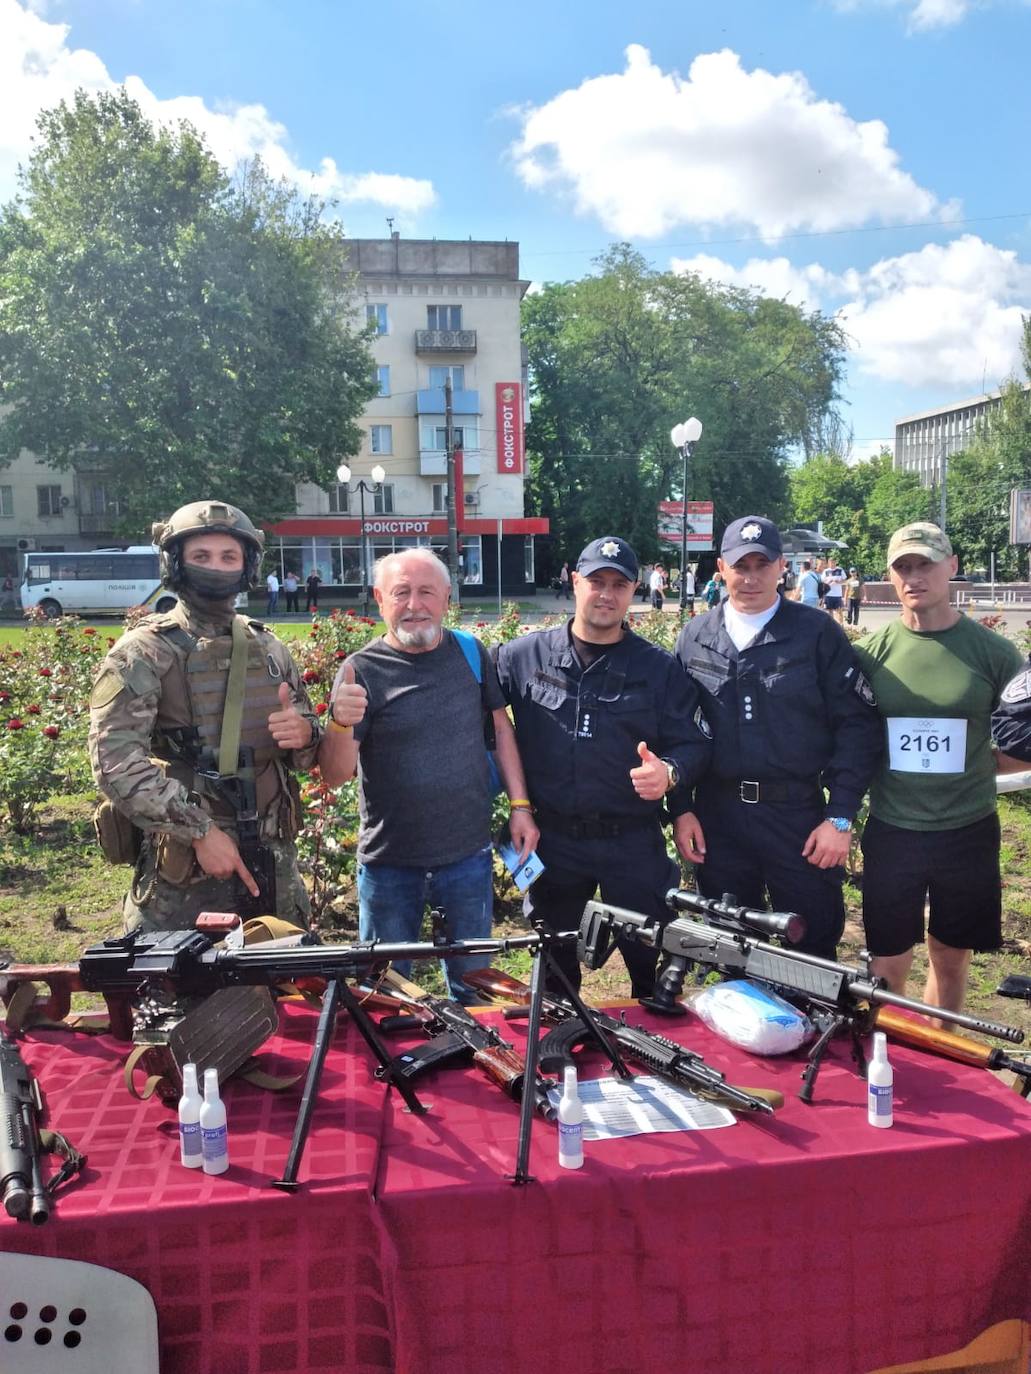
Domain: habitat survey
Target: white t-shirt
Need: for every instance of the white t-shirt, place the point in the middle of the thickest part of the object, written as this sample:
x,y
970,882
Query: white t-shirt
x,y
272,582
656,581
743,628
835,579
689,584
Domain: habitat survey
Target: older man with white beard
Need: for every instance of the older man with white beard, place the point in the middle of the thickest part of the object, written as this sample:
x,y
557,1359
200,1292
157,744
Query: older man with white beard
x,y
409,713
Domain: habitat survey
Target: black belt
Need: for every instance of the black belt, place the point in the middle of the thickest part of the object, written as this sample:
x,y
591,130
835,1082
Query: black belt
x,y
782,790
591,826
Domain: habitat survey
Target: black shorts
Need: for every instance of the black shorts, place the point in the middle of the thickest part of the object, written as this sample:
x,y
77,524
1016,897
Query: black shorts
x,y
957,870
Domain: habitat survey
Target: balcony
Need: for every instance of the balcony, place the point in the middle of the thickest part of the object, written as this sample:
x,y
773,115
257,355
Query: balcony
x,y
433,462
431,402
98,524
445,341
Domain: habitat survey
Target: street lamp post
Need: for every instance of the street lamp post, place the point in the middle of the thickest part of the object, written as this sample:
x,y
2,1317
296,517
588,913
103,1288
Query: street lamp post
x,y
361,487
684,437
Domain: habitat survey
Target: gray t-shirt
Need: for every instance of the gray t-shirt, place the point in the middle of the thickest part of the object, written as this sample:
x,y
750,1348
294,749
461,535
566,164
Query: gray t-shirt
x,y
424,795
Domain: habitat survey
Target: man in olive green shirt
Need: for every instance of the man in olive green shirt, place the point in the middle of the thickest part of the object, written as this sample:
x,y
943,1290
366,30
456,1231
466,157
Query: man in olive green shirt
x,y
933,831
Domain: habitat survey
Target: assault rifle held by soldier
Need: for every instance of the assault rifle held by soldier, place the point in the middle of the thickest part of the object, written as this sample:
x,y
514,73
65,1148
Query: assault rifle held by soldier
x,y
838,998
654,1052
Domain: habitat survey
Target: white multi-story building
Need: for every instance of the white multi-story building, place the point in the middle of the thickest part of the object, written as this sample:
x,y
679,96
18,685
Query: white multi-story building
x,y
43,508
441,311
922,441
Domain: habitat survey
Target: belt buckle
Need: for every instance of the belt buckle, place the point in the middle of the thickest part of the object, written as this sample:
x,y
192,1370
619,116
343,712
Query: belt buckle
x,y
748,783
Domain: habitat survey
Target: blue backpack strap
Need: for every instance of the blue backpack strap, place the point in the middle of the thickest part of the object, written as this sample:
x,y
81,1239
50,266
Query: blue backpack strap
x,y
470,647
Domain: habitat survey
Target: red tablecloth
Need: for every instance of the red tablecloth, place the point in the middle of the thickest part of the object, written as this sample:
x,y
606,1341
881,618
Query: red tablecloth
x,y
805,1242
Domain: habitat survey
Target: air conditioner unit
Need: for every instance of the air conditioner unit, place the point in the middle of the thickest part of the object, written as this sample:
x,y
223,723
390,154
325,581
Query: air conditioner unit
x,y
27,545
472,499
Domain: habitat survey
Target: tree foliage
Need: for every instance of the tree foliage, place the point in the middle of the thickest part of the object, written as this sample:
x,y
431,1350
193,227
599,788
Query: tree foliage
x,y
618,358
190,334
859,503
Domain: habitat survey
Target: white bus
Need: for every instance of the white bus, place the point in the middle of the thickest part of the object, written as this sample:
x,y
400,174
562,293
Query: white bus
x,y
101,582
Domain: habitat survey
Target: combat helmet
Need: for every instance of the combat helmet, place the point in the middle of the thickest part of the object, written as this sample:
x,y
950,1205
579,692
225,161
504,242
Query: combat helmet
x,y
206,517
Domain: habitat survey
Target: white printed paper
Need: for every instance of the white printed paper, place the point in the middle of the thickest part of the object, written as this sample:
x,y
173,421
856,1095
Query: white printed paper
x,y
616,1107
927,744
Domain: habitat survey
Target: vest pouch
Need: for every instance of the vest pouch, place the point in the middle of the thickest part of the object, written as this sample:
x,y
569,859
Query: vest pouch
x,y
119,840
176,861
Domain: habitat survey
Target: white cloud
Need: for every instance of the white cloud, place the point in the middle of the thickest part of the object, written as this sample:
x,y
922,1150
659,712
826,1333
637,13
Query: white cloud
x,y
646,150
922,14
947,315
38,68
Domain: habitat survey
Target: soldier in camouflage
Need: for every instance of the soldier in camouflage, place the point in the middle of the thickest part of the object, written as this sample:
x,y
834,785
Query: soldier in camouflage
x,y
158,700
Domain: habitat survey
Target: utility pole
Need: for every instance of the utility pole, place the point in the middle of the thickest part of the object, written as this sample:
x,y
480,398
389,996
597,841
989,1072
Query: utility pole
x,y
452,516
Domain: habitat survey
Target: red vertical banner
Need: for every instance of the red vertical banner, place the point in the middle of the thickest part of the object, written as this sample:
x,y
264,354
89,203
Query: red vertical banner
x,y
508,406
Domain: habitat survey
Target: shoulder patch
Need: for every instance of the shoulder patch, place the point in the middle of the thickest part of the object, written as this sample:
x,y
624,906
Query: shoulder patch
x,y
105,689
1018,689
863,690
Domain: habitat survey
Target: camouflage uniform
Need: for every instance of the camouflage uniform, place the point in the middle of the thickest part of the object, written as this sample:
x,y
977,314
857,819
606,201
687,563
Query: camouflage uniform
x,y
143,689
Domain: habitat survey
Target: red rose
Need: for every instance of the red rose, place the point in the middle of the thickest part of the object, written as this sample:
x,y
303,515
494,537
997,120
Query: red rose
x,y
51,731
45,672
110,642
89,630
5,696
15,724
340,653
322,708
310,675
33,710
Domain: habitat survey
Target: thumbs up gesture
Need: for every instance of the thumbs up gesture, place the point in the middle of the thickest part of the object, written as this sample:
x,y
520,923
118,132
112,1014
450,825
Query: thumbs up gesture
x,y
287,726
650,778
349,699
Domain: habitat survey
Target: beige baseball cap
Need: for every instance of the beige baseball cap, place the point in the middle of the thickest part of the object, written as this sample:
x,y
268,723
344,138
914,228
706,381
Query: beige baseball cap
x,y
920,538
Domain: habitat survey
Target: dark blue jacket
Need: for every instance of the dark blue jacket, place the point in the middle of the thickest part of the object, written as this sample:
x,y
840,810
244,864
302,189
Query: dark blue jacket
x,y
578,730
793,704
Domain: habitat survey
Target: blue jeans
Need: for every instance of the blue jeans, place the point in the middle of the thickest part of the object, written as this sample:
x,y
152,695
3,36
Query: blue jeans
x,y
392,899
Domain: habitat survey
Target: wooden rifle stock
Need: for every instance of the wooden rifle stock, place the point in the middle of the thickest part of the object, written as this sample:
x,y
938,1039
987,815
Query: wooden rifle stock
x,y
26,1006
906,1030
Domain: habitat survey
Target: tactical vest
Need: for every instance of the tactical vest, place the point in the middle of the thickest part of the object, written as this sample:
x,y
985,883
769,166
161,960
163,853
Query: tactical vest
x,y
196,695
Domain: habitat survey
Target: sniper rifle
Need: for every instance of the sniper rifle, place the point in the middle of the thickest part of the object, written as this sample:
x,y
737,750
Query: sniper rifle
x,y
837,997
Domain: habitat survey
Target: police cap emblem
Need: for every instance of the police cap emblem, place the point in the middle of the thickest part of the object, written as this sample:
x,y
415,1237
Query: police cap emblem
x,y
610,548
752,531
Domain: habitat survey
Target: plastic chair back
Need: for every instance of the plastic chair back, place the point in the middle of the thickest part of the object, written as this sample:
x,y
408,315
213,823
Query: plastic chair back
x,y
64,1317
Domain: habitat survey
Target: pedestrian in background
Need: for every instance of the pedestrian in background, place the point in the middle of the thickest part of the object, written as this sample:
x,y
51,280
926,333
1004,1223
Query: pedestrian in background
x,y
312,589
272,588
290,586
854,595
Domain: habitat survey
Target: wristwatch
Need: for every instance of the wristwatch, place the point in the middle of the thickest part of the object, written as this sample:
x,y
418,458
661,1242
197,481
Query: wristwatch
x,y
672,775
841,823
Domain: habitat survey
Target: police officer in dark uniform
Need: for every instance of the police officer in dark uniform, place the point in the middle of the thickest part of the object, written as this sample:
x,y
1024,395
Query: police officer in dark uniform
x,y
793,719
607,725
1011,722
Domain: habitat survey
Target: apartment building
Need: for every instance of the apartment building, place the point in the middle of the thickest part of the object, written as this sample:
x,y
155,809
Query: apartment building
x,y
42,508
923,440
441,310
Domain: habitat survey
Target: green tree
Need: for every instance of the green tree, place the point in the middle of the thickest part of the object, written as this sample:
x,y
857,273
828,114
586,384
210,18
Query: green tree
x,y
620,357
189,334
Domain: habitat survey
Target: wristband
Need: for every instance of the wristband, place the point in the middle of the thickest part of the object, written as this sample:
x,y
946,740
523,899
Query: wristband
x,y
334,724
519,804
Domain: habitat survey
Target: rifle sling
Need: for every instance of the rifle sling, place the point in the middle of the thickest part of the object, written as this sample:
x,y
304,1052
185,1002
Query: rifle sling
x,y
232,716
250,1073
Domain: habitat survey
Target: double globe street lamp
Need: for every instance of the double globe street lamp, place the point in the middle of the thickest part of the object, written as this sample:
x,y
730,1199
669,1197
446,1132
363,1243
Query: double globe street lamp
x,y
361,487
684,437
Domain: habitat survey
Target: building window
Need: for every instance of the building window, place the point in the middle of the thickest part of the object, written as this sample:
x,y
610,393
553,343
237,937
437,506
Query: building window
x,y
383,381
339,499
49,500
383,500
433,437
439,497
439,376
528,564
381,438
443,317
376,315
101,500
470,560
6,500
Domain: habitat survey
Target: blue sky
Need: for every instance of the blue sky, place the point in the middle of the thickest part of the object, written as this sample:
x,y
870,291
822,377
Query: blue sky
x,y
867,157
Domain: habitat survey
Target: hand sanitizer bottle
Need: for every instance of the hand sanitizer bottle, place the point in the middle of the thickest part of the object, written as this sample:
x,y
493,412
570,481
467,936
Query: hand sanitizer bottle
x,y
880,1079
189,1120
570,1123
214,1138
